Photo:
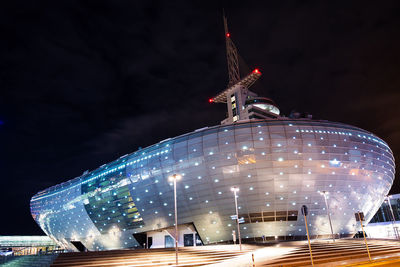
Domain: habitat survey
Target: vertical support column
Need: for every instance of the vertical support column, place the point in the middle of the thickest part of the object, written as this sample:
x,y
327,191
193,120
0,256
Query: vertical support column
x,y
237,222
329,215
229,106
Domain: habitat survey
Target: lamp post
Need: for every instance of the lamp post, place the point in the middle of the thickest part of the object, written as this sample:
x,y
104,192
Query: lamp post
x,y
174,178
324,193
235,189
393,218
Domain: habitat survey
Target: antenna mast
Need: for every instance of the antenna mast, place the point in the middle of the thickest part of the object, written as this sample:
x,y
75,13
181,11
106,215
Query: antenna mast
x,y
242,104
231,57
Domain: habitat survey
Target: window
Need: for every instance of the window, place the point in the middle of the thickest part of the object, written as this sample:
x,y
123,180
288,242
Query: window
x,y
169,241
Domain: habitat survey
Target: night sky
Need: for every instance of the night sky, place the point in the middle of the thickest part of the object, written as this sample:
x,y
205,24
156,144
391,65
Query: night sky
x,y
85,82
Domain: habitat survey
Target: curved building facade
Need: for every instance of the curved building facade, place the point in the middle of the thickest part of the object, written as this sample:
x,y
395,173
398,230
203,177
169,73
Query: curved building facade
x,y
278,165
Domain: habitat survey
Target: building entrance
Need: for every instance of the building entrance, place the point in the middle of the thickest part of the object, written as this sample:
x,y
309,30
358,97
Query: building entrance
x,y
149,241
188,240
79,246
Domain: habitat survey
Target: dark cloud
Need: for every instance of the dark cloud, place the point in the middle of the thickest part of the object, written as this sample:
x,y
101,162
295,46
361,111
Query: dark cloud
x,y
84,82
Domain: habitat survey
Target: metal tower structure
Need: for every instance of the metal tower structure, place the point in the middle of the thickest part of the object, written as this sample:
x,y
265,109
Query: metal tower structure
x,y
231,57
236,95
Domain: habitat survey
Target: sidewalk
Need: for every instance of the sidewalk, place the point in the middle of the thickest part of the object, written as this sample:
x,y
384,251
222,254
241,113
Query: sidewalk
x,y
261,255
395,261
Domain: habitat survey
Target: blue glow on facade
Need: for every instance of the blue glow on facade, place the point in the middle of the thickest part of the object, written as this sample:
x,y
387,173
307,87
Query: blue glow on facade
x,y
279,166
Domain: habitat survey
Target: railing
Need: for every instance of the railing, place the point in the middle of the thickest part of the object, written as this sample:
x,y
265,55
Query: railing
x,y
44,258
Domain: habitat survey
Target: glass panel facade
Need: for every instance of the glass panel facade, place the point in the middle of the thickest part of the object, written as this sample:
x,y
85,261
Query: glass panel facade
x,y
279,165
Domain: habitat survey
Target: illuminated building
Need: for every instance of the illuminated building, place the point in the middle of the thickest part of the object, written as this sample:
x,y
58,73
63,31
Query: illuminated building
x,y
278,163
25,245
386,221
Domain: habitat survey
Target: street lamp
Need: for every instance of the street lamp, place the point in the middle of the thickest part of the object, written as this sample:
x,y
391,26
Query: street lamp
x,y
235,189
393,218
174,178
324,193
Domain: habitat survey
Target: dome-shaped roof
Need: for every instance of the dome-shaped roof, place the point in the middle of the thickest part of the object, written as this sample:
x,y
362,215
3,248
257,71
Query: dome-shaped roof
x,y
260,100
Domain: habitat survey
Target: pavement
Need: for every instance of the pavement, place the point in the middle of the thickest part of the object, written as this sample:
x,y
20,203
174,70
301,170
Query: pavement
x,y
343,252
383,263
261,254
347,252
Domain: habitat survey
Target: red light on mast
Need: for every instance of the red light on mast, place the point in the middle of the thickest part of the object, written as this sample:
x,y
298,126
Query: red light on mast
x,y
228,35
256,71
210,100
